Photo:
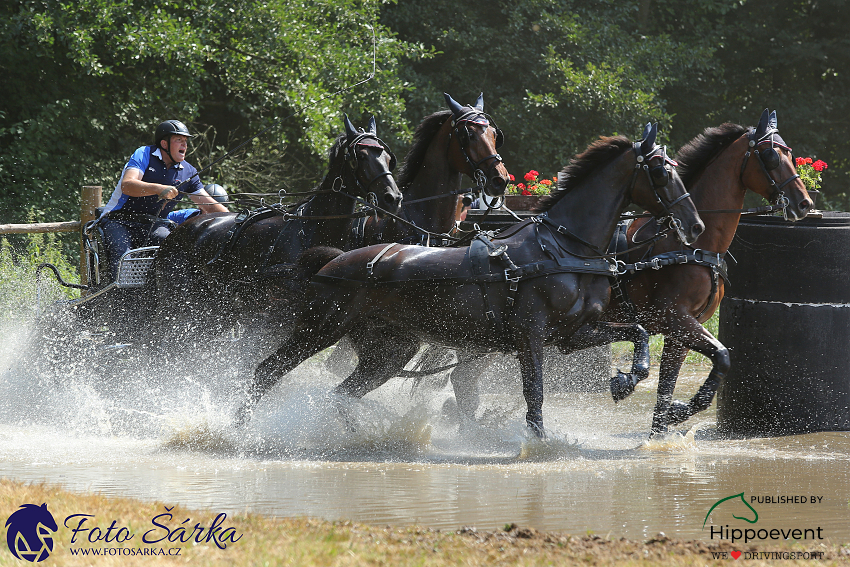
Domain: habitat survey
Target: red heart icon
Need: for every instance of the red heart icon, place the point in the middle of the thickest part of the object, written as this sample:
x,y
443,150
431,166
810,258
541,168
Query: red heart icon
x,y
736,554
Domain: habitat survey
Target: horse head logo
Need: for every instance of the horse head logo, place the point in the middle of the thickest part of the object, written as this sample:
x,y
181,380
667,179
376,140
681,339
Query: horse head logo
x,y
30,534
722,500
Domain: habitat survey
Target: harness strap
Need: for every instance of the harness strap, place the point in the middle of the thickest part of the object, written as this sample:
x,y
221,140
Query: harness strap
x,y
713,260
711,293
370,265
240,223
524,272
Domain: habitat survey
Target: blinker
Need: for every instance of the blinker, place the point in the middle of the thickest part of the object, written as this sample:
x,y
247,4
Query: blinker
x,y
770,158
660,176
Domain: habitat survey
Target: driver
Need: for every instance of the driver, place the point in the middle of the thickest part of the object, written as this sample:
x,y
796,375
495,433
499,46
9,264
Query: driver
x,y
137,213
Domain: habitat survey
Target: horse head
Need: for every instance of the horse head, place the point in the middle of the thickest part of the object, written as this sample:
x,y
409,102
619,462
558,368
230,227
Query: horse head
x,y
370,164
477,137
773,174
660,189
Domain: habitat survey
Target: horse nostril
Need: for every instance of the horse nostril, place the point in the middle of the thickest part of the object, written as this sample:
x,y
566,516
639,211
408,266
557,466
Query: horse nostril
x,y
498,182
805,205
390,199
697,229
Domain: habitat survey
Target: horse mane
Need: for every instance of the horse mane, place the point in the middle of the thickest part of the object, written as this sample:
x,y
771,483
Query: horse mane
x,y
333,155
695,156
597,154
422,137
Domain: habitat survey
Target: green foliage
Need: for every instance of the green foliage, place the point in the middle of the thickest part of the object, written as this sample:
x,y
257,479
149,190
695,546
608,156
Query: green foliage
x,y
18,275
85,84
556,74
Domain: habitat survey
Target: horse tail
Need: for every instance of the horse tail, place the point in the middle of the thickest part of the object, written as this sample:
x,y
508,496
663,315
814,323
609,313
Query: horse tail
x,y
314,259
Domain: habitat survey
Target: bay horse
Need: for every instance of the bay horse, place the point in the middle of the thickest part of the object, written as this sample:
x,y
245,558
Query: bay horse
x,y
718,167
534,284
245,264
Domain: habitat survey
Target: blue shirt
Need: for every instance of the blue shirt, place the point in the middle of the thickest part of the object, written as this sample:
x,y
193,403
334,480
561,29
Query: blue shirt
x,y
148,160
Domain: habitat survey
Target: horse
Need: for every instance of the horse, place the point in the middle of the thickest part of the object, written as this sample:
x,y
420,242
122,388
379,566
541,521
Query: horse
x,y
544,287
245,263
685,284
446,145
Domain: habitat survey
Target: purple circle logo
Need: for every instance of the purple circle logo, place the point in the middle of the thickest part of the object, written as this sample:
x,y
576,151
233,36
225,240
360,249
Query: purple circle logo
x,y
30,535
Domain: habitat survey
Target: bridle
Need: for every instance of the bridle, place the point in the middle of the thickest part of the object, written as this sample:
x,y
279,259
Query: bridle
x,y
768,161
460,130
658,177
366,139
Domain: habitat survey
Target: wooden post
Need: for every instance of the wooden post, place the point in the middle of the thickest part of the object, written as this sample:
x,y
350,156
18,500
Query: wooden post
x,y
90,199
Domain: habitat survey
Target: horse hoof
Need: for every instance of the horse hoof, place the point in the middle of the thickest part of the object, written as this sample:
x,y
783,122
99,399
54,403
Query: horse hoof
x,y
657,431
537,429
243,416
678,412
622,386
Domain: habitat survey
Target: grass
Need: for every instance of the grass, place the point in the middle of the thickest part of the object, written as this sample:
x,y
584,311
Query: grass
x,y
18,274
264,541
656,346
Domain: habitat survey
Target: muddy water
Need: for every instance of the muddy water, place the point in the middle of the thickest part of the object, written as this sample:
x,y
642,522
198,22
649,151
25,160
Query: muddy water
x,y
165,435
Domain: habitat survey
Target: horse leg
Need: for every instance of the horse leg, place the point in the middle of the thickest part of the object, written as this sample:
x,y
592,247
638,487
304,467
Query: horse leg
x,y
325,322
690,335
531,364
464,379
602,333
382,355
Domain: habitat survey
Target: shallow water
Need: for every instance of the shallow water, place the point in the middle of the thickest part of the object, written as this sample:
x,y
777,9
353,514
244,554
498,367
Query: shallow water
x,y
165,434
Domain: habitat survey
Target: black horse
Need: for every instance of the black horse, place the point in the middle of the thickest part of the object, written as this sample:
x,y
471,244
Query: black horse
x,y
447,145
217,269
533,285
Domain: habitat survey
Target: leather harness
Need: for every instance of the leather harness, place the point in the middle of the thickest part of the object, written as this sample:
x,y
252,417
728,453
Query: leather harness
x,y
714,261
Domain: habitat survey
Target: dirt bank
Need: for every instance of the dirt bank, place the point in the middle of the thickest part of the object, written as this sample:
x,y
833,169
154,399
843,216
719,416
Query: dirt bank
x,y
259,540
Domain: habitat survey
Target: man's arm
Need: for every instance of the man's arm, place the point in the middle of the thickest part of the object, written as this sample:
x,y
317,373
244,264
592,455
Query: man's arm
x,y
132,185
206,203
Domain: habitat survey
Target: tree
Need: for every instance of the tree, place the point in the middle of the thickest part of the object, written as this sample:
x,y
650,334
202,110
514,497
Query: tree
x,y
556,74
86,83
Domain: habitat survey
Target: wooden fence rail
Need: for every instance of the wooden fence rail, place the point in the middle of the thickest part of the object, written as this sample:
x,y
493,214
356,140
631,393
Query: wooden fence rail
x,y
90,199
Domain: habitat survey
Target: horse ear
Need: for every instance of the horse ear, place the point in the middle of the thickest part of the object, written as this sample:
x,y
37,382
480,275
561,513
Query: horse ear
x,y
479,104
454,106
649,140
350,130
646,130
761,129
771,122
372,126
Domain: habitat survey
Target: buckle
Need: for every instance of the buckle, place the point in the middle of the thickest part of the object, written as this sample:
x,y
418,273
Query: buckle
x,y
617,267
655,263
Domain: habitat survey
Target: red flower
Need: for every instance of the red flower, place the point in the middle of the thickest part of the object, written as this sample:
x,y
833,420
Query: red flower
x,y
511,177
808,160
521,186
546,181
819,165
526,192
800,161
531,175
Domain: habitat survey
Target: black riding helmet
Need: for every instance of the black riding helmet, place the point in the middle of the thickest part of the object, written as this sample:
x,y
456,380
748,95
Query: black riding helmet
x,y
167,129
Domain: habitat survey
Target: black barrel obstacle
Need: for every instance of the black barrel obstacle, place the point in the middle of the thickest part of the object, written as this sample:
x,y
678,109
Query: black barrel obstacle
x,y
786,321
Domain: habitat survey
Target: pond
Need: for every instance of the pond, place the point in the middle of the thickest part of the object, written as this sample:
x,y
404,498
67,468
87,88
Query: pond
x,y
165,434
